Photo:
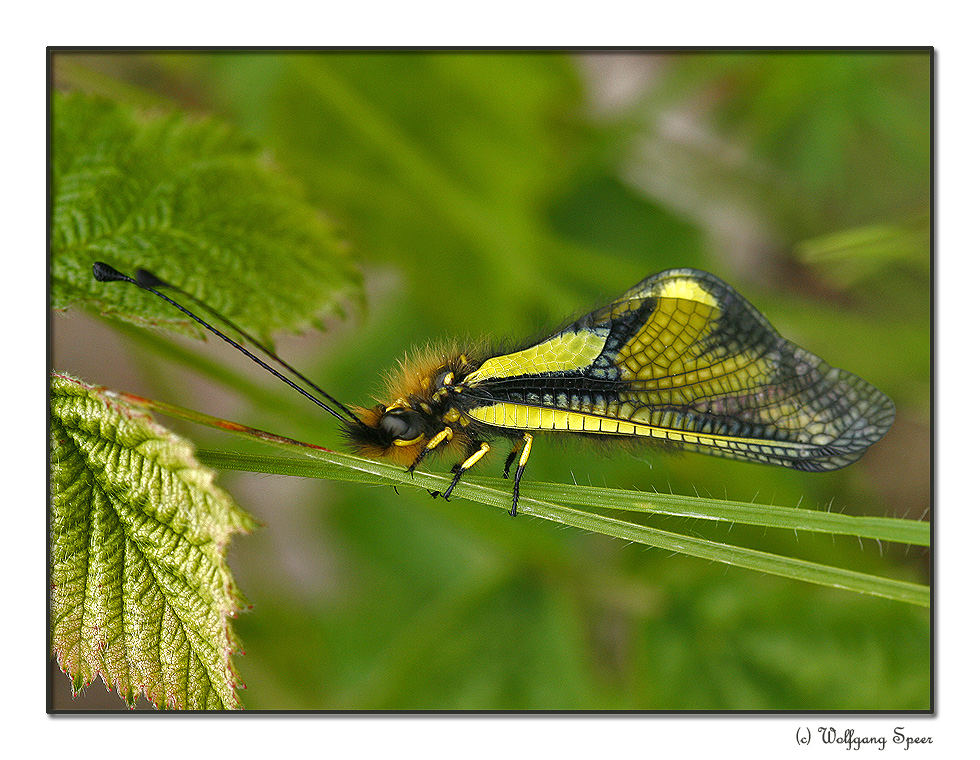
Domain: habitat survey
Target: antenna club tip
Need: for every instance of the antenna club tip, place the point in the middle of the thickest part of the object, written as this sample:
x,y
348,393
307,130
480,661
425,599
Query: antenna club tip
x,y
105,273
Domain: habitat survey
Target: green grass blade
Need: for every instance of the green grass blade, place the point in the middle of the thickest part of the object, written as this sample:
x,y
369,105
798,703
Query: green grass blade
x,y
912,532
915,532
335,466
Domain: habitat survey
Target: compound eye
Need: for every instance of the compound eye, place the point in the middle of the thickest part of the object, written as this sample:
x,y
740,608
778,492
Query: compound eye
x,y
402,426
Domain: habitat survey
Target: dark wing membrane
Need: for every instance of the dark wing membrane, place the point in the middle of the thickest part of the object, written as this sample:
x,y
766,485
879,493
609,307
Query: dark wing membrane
x,y
684,359
690,354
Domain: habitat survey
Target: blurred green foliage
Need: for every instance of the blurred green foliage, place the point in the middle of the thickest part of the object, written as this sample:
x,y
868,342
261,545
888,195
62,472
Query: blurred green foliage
x,y
493,194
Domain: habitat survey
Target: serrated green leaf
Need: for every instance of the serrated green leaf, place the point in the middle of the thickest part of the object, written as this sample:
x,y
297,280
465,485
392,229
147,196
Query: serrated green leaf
x,y
140,591
197,204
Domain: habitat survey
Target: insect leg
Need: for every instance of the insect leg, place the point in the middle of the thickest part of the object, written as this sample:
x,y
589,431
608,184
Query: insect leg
x,y
520,471
446,434
471,460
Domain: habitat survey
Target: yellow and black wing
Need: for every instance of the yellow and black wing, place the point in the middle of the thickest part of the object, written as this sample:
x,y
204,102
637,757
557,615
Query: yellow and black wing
x,y
683,359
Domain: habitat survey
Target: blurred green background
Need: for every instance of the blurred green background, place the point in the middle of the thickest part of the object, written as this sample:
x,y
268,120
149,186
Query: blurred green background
x,y
497,194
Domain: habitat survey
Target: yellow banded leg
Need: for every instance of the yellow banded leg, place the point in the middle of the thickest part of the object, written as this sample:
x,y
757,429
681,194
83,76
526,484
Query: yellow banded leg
x,y
520,471
459,469
446,434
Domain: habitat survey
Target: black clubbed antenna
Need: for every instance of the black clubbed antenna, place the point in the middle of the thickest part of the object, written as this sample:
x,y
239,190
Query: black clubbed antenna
x,y
150,282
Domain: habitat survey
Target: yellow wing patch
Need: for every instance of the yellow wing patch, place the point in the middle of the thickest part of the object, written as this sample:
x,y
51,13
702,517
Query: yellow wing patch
x,y
682,287
562,353
660,348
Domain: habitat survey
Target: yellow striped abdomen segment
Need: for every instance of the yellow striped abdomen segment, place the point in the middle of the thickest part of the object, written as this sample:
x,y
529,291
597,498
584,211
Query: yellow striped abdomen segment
x,y
524,417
